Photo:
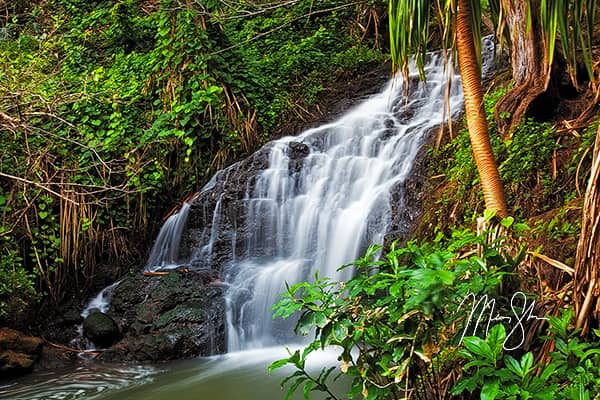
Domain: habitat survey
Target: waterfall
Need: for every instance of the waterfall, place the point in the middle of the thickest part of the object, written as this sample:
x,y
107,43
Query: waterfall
x,y
100,302
322,199
325,214
164,254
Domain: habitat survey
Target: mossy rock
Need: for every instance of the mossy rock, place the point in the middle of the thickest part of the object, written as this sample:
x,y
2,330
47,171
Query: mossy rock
x,y
12,362
11,339
181,314
100,329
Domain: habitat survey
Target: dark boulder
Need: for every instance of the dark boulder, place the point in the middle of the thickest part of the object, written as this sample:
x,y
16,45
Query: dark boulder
x,y
101,329
174,316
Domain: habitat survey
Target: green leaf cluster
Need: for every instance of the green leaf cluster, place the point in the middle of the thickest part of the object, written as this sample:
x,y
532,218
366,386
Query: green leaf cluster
x,y
573,371
530,164
395,316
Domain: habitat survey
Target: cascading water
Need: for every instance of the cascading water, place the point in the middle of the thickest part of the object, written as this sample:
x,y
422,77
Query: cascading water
x,y
318,213
101,302
339,202
164,254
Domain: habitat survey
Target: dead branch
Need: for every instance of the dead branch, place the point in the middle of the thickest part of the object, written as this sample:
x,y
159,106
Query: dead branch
x,y
39,185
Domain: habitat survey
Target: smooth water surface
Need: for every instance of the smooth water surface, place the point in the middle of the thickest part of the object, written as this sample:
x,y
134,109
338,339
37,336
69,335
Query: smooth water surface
x,y
234,376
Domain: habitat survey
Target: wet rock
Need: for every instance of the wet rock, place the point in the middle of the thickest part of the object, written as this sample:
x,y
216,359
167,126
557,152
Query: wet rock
x,y
55,357
228,193
298,150
179,315
14,362
11,339
100,329
73,316
18,351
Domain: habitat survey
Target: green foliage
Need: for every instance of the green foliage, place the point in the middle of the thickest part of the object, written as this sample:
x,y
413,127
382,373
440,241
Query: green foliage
x,y
394,316
528,161
114,110
306,47
571,21
517,379
17,286
397,325
558,227
576,363
573,371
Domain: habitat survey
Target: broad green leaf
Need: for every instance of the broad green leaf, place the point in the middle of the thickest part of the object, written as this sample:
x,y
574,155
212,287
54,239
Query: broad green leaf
x,y
489,214
490,390
526,363
514,366
305,323
340,331
478,346
507,222
496,337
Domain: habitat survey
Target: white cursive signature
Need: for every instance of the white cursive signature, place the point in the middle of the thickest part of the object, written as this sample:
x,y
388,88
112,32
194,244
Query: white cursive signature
x,y
521,313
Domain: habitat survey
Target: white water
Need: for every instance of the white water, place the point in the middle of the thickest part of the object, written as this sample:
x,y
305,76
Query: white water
x,y
326,214
317,218
101,301
164,254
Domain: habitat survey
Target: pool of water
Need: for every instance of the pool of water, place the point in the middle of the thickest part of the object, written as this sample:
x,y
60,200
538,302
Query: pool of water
x,y
240,375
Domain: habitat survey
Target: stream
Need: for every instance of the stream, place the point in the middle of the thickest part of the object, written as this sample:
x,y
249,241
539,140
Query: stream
x,y
233,376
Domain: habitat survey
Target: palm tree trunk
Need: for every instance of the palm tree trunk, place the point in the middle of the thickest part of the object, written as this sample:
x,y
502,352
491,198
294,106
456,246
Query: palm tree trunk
x,y
493,193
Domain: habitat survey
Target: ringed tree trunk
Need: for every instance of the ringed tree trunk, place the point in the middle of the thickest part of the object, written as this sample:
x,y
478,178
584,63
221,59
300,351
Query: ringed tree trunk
x,y
493,193
587,264
529,61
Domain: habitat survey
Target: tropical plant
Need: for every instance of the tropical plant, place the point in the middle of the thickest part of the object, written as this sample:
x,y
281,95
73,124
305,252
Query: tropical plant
x,y
571,371
395,318
497,375
531,27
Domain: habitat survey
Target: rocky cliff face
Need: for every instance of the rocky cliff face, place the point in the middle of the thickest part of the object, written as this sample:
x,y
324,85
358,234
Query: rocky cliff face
x,y
183,314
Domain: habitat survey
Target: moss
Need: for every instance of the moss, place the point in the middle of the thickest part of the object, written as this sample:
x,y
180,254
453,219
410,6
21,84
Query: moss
x,y
180,314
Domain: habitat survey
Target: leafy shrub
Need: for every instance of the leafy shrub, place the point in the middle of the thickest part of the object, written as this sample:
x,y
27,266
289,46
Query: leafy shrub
x,y
496,375
394,317
115,110
573,371
400,329
524,161
17,286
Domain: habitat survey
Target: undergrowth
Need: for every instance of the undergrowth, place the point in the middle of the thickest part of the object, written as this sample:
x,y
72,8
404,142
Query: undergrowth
x,y
437,321
114,111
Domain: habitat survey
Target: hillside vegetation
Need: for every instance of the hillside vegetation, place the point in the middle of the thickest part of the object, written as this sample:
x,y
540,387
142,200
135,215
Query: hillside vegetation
x,y
112,112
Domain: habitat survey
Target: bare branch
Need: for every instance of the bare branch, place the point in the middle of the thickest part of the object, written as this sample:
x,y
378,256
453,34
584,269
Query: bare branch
x,y
41,186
